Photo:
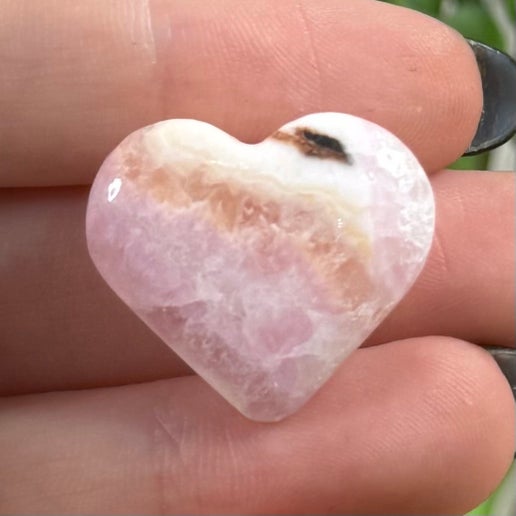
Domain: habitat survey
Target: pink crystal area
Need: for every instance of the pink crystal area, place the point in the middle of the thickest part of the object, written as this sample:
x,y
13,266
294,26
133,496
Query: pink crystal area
x,y
263,288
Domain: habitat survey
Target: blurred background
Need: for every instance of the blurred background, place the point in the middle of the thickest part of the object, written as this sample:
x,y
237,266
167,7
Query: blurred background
x,y
492,22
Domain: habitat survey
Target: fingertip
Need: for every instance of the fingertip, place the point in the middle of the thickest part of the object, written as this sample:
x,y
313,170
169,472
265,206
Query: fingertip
x,y
437,415
437,61
489,438
468,419
462,96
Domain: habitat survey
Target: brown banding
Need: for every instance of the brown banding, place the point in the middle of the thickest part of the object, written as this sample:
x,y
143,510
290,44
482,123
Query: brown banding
x,y
313,143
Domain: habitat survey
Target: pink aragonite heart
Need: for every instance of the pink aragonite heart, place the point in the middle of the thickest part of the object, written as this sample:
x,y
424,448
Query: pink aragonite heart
x,y
262,266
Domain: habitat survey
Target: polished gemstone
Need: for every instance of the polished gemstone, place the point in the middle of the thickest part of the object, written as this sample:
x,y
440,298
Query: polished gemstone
x,y
262,266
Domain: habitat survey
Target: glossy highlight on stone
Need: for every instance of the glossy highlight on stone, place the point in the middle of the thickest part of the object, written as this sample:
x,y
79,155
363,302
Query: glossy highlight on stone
x,y
262,266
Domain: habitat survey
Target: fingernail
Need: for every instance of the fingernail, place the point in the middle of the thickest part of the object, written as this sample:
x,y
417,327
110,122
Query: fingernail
x,y
506,360
498,121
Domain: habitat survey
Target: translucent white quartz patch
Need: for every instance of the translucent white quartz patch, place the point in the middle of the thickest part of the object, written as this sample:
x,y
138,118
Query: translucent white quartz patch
x,y
262,266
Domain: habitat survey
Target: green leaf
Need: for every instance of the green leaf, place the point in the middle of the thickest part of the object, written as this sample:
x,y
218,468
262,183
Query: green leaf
x,y
484,509
473,21
430,7
478,162
469,17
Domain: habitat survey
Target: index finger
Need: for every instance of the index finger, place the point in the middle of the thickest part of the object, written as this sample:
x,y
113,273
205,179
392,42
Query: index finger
x,y
78,77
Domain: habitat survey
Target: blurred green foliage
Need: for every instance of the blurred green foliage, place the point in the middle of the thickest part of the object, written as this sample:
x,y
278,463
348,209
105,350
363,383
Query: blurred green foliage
x,y
511,8
473,19
430,7
470,17
475,22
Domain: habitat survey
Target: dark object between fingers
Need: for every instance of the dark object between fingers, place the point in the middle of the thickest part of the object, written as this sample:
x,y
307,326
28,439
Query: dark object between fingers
x,y
498,121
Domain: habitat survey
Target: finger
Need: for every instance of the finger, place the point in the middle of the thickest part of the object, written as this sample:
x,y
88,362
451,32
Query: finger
x,y
411,427
58,318
79,77
81,335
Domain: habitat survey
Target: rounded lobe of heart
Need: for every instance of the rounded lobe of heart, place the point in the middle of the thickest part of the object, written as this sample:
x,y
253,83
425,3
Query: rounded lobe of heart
x,y
263,266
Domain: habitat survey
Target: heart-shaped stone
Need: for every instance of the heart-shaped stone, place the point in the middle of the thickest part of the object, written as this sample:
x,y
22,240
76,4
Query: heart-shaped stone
x,y
262,266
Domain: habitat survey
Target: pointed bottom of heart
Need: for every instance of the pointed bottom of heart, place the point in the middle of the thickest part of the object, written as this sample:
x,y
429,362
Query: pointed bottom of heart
x,y
262,266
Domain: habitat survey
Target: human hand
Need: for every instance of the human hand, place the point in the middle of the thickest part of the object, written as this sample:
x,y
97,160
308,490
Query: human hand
x,y
414,423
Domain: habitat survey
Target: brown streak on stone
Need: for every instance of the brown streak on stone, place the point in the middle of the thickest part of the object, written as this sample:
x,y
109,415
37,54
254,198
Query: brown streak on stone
x,y
312,143
278,225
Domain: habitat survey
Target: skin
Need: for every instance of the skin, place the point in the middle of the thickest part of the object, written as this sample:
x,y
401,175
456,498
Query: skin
x,y
98,416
